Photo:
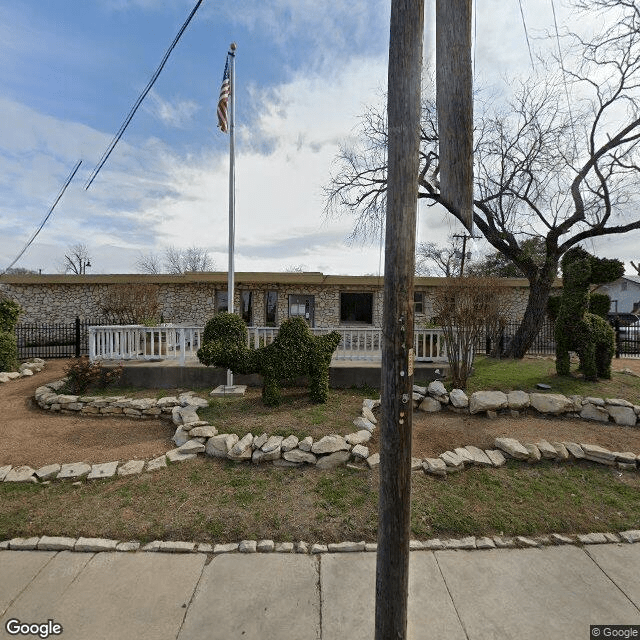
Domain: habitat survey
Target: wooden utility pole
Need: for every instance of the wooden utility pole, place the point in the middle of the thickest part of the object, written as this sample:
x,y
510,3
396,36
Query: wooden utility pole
x,y
464,237
403,110
454,100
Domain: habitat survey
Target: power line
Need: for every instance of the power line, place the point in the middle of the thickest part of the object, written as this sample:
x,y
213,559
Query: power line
x,y
53,206
526,33
142,96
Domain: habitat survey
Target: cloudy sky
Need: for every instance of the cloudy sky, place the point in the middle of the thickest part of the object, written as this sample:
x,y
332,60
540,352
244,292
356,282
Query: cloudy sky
x,y
306,69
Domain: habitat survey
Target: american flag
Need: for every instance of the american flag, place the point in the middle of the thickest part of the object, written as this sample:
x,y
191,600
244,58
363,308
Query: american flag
x,y
225,91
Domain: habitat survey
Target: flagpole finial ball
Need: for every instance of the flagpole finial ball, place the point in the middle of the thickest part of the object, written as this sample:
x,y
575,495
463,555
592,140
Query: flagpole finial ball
x,y
233,46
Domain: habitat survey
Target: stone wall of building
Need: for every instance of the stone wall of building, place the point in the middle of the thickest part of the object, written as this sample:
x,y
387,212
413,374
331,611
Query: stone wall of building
x,y
193,301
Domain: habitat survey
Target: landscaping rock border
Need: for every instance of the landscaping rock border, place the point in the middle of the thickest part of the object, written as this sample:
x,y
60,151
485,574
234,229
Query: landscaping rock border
x,y
194,436
35,365
468,543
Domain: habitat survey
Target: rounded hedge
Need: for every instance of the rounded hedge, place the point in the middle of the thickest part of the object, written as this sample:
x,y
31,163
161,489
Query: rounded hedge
x,y
8,351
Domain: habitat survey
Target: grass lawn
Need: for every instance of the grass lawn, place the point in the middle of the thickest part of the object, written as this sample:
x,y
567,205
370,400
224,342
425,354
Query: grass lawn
x,y
211,500
507,375
218,501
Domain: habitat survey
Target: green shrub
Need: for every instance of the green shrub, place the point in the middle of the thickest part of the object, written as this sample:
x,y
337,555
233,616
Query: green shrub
x,y
599,303
8,351
553,307
9,312
295,352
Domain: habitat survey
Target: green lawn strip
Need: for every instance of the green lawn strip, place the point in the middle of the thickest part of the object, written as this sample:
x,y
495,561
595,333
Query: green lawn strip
x,y
217,501
296,414
507,375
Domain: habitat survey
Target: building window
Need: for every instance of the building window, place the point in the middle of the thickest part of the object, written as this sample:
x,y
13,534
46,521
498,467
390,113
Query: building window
x,y
624,285
418,302
246,306
303,307
270,308
221,301
356,307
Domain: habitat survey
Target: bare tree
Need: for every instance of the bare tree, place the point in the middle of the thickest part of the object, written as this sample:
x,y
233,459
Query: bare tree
x,y
442,261
564,173
76,259
176,260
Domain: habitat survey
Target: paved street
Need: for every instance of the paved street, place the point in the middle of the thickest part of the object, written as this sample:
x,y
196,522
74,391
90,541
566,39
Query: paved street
x,y
550,593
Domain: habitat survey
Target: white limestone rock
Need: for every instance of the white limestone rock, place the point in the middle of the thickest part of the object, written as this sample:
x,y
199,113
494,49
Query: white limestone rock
x,y
534,452
464,454
362,423
330,444
554,403
192,446
373,461
360,452
259,455
95,545
176,455
359,437
47,472
487,401
74,470
4,471
203,432
575,450
132,467
479,456
180,437
518,400
274,443
297,455
346,547
167,401
157,463
241,450
434,466
333,460
459,399
622,415
247,546
265,546
220,445
631,536
512,447
547,450
371,404
496,457
593,412
430,405
562,452
288,443
103,470
260,440
452,459
56,543
21,474
437,390
367,414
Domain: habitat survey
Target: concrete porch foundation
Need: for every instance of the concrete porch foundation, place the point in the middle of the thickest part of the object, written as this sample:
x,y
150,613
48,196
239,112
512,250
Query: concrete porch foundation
x,y
169,374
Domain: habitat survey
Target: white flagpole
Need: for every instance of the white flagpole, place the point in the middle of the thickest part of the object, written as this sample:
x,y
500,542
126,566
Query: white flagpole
x,y
232,187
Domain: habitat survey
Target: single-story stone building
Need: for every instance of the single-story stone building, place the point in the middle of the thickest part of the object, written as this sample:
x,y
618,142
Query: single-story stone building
x,y
263,298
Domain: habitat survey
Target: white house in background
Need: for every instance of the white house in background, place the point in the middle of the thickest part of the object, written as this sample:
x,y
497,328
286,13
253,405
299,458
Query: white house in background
x,y
624,294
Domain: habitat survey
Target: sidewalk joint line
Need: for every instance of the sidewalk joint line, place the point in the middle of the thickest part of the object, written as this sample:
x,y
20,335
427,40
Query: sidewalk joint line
x,y
193,595
453,602
635,606
318,569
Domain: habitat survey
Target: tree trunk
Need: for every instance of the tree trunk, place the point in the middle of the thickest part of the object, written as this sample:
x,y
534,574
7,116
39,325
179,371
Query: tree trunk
x,y
394,518
539,290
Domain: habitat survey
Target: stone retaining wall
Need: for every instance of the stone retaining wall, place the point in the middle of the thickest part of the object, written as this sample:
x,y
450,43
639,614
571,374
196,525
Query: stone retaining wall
x,y
194,436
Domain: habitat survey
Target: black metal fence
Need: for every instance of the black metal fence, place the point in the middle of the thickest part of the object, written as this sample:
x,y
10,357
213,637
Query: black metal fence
x,y
61,340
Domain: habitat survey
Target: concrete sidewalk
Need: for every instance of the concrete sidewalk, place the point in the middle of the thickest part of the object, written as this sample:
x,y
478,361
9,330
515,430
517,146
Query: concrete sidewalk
x,y
550,593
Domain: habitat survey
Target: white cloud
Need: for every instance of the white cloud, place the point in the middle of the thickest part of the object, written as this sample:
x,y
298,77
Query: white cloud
x,y
177,113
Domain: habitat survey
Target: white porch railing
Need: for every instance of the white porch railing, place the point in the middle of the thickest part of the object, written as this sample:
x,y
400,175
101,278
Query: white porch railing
x,y
137,342
175,342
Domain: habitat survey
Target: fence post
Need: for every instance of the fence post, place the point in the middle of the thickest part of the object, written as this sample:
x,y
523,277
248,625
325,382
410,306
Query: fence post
x,y
616,327
77,337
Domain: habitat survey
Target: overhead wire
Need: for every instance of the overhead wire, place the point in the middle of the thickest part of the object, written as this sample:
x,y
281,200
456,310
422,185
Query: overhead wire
x,y
526,34
44,221
141,97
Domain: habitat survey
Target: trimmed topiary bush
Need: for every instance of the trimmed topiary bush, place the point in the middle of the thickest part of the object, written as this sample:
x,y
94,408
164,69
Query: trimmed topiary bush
x,y
599,303
588,334
8,351
295,352
9,312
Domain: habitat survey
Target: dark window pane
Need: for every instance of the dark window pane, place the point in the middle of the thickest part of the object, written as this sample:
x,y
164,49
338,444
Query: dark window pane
x,y
356,307
221,301
271,305
245,302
